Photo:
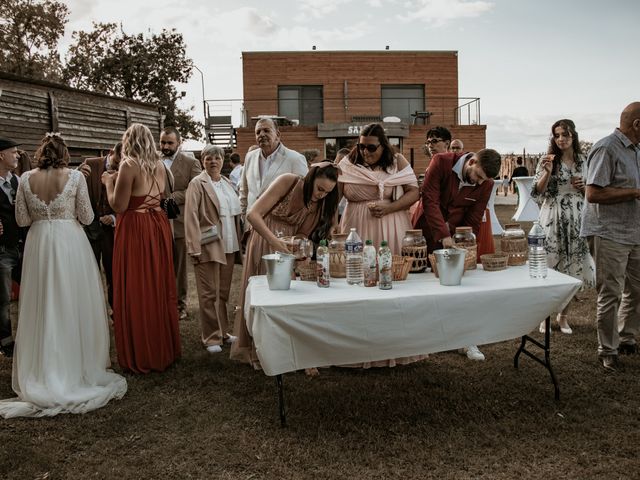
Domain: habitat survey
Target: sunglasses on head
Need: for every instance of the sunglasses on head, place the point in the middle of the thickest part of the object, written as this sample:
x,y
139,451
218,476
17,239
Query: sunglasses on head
x,y
369,147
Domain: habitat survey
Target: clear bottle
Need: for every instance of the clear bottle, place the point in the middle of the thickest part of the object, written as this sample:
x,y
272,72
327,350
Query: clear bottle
x,y
537,252
369,265
385,266
323,279
353,251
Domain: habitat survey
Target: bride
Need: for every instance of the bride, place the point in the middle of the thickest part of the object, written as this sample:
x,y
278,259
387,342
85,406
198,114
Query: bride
x,y
62,344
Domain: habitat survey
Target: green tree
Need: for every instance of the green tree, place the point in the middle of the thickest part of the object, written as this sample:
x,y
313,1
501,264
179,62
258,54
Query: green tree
x,y
110,61
29,35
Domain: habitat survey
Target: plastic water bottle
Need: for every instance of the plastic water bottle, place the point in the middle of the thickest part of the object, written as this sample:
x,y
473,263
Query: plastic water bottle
x,y
323,279
353,251
369,265
385,265
537,252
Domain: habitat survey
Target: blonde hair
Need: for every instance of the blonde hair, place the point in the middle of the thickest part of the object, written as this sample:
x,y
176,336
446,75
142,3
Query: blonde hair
x,y
138,144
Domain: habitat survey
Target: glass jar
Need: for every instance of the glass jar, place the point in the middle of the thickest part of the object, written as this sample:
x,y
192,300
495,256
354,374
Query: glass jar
x,y
337,255
300,246
414,245
514,243
465,238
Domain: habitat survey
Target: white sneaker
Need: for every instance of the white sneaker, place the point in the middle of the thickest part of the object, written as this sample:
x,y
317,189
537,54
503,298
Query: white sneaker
x,y
214,349
473,353
230,339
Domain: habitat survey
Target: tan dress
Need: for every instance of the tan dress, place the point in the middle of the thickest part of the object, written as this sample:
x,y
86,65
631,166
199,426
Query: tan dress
x,y
286,219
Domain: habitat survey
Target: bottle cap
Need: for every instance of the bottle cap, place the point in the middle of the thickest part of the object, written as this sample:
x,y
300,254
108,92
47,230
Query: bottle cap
x,y
384,243
368,242
323,243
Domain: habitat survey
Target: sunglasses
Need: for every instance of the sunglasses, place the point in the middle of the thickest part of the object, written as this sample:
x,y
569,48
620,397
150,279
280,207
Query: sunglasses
x,y
433,141
368,147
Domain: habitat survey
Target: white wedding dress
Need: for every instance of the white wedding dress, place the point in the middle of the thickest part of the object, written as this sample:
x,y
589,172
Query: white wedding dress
x,y
62,344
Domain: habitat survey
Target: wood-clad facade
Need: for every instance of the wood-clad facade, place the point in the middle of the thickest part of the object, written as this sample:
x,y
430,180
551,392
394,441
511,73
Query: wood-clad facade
x,y
91,123
329,96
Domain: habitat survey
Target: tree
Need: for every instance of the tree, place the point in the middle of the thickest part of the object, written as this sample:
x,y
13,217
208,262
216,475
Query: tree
x,y
29,35
585,146
110,61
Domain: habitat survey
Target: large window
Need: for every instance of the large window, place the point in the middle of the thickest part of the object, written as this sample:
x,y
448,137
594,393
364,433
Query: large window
x,y
402,100
301,102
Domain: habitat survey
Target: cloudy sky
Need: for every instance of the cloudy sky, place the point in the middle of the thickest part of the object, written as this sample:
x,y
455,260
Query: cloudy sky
x,y
530,61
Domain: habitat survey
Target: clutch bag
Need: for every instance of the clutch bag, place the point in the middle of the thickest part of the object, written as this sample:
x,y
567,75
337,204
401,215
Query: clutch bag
x,y
209,235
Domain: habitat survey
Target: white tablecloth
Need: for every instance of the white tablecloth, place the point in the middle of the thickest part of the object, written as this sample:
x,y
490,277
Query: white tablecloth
x,y
308,326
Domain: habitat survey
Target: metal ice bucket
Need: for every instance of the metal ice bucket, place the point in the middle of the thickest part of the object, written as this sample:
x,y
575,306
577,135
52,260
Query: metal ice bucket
x,y
279,270
450,265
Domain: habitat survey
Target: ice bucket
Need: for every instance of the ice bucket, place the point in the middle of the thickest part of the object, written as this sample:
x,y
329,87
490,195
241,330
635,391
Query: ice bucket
x,y
279,270
450,263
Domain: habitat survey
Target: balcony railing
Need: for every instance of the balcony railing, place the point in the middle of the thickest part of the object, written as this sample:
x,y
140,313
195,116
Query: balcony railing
x,y
438,110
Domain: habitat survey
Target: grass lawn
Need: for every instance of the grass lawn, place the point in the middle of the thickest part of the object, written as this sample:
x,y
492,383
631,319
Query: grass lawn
x,y
444,418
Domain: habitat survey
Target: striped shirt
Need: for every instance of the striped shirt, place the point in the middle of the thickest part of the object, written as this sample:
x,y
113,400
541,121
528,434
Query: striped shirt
x,y
613,162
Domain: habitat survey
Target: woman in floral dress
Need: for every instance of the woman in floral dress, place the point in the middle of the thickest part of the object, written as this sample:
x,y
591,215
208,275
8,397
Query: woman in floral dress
x,y
559,187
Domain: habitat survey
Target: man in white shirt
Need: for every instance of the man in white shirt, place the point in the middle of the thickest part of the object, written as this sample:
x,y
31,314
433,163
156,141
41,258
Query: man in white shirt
x,y
266,163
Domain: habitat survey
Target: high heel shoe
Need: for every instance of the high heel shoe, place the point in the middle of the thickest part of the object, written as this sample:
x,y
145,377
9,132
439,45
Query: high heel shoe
x,y
563,324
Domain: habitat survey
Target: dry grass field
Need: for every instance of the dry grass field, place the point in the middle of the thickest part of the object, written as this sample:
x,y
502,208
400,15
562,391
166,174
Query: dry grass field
x,y
445,418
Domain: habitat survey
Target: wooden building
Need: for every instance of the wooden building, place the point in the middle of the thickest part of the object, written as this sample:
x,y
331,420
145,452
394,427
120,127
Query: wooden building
x,y
91,123
322,99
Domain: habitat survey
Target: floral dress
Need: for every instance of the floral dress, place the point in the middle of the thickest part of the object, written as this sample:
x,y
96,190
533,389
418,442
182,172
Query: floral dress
x,y
560,217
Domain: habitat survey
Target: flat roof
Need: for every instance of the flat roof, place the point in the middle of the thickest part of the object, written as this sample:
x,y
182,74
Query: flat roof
x,y
411,52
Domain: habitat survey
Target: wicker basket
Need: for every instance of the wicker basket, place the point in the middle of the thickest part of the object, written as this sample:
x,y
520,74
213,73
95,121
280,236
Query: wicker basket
x,y
419,255
308,271
401,267
470,257
492,262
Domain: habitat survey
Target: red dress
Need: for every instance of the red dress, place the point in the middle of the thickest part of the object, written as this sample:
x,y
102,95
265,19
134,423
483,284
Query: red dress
x,y
145,309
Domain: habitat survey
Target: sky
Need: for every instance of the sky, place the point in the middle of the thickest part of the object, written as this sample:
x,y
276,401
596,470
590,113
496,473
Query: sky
x,y
530,62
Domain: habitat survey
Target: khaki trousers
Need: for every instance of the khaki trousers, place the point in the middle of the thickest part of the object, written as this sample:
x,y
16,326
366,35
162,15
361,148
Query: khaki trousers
x,y
213,281
180,267
618,287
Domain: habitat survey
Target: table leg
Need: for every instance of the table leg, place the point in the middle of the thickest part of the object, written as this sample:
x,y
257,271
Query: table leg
x,y
546,363
283,413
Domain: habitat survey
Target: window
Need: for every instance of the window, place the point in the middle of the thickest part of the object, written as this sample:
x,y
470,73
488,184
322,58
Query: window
x,y
302,103
402,100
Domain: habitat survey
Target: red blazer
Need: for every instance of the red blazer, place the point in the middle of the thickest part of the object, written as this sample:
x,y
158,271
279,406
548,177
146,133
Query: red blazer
x,y
447,207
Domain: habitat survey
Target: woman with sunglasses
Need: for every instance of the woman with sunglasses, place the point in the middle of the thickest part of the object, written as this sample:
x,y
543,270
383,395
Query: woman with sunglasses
x,y
559,187
380,186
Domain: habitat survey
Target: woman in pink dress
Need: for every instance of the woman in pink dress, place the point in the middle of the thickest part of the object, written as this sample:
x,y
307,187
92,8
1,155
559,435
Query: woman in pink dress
x,y
380,186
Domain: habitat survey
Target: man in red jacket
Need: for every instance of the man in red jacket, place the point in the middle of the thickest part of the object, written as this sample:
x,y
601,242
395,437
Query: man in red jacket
x,y
455,193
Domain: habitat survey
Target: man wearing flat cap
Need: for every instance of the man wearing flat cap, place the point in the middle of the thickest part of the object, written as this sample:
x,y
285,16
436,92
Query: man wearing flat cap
x,y
9,237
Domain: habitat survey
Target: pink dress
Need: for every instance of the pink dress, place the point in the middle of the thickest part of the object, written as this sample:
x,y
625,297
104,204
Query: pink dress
x,y
361,186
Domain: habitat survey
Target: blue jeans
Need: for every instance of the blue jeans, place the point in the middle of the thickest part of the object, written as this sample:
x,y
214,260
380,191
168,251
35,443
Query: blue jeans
x,y
8,261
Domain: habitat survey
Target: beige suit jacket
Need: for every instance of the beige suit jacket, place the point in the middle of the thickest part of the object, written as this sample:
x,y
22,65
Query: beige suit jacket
x,y
184,169
252,185
201,212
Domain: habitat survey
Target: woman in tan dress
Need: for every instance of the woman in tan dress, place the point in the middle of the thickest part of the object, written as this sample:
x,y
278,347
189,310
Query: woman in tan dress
x,y
292,205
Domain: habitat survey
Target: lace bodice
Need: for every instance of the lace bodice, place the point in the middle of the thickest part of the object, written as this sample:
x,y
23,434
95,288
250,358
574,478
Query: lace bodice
x,y
71,203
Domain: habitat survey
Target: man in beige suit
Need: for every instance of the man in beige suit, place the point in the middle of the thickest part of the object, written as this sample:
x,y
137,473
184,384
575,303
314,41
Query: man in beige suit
x,y
266,163
183,168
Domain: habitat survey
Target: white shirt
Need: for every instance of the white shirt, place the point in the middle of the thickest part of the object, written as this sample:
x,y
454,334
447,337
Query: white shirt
x,y
168,161
457,168
235,176
265,163
8,189
229,208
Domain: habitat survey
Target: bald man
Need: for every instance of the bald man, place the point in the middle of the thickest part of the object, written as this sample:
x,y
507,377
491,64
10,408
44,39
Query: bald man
x,y
611,223
456,146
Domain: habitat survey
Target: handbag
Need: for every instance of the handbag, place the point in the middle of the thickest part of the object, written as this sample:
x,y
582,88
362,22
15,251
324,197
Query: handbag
x,y
209,235
169,205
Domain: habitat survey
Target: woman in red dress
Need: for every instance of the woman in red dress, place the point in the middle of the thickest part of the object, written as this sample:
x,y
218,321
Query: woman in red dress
x,y
145,311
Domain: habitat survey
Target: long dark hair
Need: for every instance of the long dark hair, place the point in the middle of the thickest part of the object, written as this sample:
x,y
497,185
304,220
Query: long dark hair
x,y
329,204
570,127
374,130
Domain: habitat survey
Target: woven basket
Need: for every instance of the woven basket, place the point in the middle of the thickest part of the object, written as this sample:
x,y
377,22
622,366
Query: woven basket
x,y
492,262
470,257
434,265
401,267
308,271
